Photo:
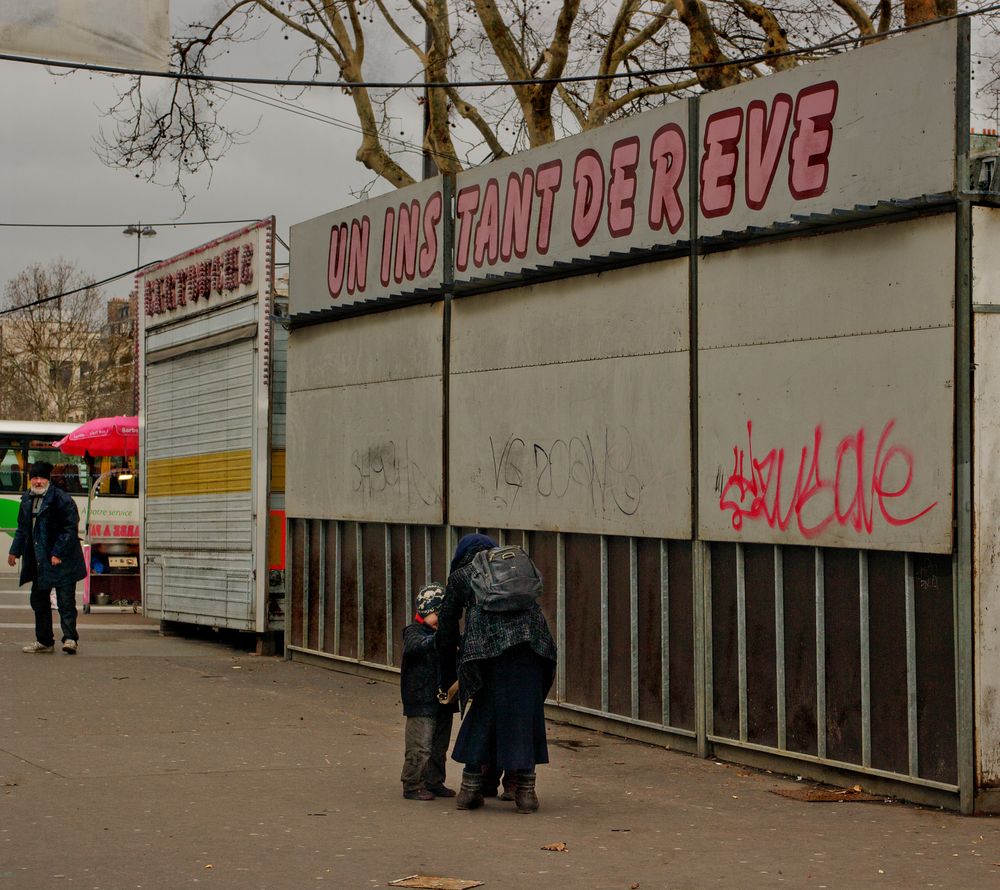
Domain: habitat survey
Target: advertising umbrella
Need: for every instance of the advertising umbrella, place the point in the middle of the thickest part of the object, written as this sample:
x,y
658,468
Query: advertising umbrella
x,y
103,436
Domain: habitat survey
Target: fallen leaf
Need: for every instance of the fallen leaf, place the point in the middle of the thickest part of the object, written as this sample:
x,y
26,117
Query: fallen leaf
x,y
426,882
558,847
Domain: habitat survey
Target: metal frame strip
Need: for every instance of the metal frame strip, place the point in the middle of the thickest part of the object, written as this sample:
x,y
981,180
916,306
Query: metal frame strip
x,y
664,633
408,568
560,617
865,646
705,720
633,583
428,557
359,546
912,735
388,593
605,696
741,637
820,592
321,631
779,646
337,592
963,587
304,525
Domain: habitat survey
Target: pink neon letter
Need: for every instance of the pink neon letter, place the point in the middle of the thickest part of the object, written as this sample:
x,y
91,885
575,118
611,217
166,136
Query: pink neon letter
x,y
357,266
718,163
548,178
517,215
667,155
406,241
488,228
388,227
765,140
429,252
465,206
588,195
621,189
336,260
809,151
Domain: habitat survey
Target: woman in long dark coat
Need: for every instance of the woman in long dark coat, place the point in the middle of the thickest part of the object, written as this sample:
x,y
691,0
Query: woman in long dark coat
x,y
505,666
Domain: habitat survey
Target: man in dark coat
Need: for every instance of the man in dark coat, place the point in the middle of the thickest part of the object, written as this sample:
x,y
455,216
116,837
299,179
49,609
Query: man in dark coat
x,y
47,542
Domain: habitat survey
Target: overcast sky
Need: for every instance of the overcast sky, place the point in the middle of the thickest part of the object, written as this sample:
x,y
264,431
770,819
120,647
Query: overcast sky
x,y
291,167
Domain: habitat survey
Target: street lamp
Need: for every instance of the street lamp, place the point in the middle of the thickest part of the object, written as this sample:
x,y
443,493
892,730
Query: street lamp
x,y
140,231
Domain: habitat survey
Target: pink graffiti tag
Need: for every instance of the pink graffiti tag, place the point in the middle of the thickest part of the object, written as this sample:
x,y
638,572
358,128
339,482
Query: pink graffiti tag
x,y
816,501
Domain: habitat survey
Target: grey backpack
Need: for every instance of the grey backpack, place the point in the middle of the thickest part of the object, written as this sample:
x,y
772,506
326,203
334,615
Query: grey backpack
x,y
504,579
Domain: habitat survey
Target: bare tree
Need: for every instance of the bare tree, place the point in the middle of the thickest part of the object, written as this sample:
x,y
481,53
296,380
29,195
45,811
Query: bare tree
x,y
182,129
62,359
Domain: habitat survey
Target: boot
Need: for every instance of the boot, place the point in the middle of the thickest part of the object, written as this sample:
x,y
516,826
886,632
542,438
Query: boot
x,y
525,798
509,785
470,795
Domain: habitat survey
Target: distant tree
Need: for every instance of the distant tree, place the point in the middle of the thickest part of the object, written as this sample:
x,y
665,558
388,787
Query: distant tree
x,y
61,360
179,129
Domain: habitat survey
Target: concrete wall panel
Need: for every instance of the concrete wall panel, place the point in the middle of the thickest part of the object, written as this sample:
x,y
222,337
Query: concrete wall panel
x,y
825,393
365,419
986,447
569,405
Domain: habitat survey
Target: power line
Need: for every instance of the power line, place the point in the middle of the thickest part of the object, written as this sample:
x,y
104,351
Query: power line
x,y
69,293
740,62
320,117
163,225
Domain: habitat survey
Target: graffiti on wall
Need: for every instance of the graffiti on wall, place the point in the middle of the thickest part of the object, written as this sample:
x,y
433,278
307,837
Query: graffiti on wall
x,y
385,469
808,491
601,469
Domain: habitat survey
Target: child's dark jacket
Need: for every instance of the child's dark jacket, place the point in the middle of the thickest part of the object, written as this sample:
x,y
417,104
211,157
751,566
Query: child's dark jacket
x,y
418,674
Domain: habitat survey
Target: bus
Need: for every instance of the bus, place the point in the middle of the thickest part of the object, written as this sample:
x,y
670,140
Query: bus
x,y
105,490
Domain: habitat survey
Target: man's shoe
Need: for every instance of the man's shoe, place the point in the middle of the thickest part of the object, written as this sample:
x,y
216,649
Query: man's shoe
x,y
69,647
37,647
419,794
440,791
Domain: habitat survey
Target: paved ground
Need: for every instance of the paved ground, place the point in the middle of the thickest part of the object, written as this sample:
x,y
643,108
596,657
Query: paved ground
x,y
159,762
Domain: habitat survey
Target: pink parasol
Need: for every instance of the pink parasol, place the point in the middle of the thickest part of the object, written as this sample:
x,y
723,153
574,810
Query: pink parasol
x,y
103,436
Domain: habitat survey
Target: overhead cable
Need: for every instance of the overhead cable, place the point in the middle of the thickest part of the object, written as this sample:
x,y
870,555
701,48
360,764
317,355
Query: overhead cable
x,y
69,293
740,62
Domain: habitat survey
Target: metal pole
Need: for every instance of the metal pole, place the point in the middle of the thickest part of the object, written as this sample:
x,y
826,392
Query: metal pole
x,y
964,369
429,167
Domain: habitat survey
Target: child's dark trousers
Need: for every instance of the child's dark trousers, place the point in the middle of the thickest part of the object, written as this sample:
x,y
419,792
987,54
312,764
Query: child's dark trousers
x,y
427,741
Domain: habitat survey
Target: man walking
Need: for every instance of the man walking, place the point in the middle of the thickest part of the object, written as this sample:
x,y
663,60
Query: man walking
x,y
48,542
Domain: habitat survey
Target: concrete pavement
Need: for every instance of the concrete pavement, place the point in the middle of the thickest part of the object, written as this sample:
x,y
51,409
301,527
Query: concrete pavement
x,y
159,762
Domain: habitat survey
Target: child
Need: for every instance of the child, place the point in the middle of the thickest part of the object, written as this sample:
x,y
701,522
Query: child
x,y
428,723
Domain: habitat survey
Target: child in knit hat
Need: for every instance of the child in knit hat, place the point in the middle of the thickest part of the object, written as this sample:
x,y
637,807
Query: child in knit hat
x,y
428,721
